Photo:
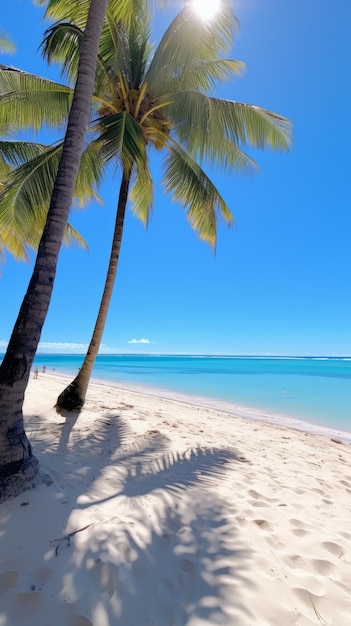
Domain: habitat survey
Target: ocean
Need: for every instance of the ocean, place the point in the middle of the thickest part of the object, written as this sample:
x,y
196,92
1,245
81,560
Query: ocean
x,y
314,390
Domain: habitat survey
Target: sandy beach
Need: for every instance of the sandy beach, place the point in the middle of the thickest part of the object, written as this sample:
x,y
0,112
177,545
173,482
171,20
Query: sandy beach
x,y
150,511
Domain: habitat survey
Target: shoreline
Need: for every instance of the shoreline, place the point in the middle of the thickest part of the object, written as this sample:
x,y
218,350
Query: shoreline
x,y
220,406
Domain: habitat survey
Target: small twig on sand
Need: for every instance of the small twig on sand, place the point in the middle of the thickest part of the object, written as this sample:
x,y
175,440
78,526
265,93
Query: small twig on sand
x,y
317,612
67,537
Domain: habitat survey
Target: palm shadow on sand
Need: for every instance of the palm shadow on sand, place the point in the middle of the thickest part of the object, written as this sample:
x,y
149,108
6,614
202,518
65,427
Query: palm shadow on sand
x,y
170,553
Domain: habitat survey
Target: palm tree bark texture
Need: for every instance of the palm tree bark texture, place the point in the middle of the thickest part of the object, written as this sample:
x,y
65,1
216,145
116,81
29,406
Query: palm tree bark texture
x,y
18,465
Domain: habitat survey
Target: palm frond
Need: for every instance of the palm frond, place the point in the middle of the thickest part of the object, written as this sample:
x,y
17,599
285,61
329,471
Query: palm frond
x,y
188,184
192,114
209,126
120,137
26,190
12,242
77,12
73,236
61,44
247,124
142,191
6,45
28,101
15,153
187,47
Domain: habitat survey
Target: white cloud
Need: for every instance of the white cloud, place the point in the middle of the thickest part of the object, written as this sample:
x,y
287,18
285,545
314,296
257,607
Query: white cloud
x,y
72,348
65,347
56,347
140,341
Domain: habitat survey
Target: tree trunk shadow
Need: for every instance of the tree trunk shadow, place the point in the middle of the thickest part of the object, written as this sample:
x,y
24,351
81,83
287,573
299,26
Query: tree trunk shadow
x,y
70,421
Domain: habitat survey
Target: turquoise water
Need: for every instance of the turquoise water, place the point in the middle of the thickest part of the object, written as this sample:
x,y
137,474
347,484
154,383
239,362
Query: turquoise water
x,y
314,390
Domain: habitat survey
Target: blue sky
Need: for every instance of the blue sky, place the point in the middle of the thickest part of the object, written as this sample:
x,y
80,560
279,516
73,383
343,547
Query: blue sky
x,y
279,282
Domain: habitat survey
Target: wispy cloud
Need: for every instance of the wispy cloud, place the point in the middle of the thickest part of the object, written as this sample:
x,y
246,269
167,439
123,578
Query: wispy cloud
x,y
73,348
140,341
67,347
64,346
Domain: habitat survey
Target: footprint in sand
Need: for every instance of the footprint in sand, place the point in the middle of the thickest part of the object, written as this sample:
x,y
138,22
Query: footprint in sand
x,y
7,581
347,484
300,529
30,604
262,523
259,500
295,561
79,620
323,567
187,566
259,496
300,532
333,548
298,523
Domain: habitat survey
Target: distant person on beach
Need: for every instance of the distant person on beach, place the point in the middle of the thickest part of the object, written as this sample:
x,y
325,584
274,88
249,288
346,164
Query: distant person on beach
x,y
36,372
44,369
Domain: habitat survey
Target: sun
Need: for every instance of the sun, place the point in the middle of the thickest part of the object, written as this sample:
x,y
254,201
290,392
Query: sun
x,y
206,8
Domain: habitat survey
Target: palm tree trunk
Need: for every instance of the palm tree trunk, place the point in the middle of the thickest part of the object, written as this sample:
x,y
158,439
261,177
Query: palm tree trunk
x,y
17,462
73,396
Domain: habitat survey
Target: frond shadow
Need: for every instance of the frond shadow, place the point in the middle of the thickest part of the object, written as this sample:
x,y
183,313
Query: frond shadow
x,y
174,472
185,565
134,520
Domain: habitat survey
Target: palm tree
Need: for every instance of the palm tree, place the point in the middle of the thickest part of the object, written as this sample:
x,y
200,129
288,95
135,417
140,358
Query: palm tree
x,y
144,101
18,465
148,101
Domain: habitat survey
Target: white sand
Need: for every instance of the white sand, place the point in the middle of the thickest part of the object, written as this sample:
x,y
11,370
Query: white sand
x,y
155,512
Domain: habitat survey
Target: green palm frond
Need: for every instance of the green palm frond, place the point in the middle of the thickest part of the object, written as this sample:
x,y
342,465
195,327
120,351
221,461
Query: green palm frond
x,y
120,137
6,45
182,58
194,120
26,190
20,219
140,47
77,12
18,235
33,180
73,236
188,184
28,101
247,124
203,119
5,168
89,176
11,241
142,191
15,153
215,129
61,44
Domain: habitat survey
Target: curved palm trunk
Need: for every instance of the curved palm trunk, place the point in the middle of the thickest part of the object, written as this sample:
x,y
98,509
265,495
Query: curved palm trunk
x,y
17,463
73,397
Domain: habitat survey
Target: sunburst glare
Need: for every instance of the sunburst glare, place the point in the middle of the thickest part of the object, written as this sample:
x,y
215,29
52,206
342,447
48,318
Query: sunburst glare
x,y
206,9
